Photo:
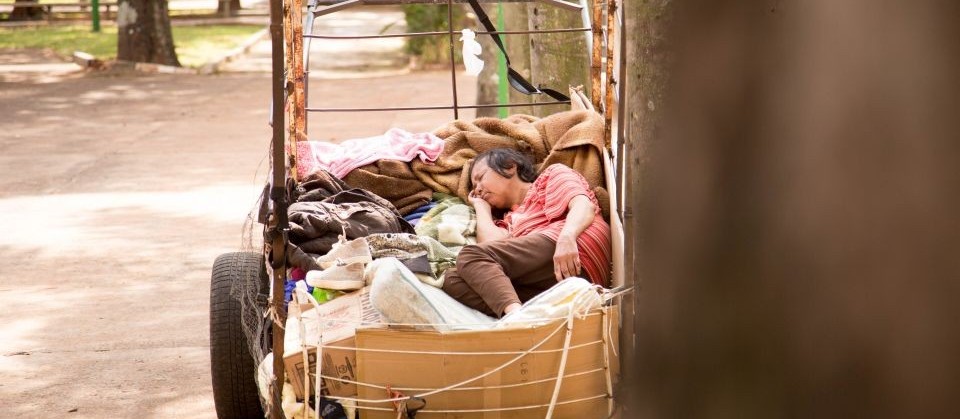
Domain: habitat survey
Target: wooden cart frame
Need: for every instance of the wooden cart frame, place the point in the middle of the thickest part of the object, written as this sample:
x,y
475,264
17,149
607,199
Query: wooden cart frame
x,y
290,46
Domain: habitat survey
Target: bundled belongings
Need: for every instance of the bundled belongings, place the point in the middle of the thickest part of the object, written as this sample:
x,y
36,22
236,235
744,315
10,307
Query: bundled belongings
x,y
325,209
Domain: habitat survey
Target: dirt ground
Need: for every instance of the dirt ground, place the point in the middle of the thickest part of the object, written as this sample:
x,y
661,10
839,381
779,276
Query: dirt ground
x,y
117,192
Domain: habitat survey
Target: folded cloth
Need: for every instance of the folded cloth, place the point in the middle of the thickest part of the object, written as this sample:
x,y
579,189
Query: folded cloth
x,y
414,217
419,212
340,159
410,247
451,222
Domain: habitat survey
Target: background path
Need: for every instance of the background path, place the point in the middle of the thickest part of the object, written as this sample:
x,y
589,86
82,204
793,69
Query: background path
x,y
117,192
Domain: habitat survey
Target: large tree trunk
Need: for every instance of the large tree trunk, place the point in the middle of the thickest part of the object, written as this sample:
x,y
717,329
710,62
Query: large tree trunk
x,y
228,7
799,226
143,32
25,13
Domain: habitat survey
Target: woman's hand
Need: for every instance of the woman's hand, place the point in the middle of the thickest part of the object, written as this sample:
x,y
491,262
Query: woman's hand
x,y
566,257
479,204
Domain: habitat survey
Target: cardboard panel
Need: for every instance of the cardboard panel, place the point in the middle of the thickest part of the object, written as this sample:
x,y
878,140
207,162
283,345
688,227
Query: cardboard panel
x,y
437,360
338,322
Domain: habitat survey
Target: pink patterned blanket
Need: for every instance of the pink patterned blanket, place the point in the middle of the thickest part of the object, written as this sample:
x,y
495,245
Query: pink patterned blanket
x,y
340,159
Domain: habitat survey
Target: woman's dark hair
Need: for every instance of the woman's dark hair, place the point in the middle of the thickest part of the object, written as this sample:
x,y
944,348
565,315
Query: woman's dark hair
x,y
503,159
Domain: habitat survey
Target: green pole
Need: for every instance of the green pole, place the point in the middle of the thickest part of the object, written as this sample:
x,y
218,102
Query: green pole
x,y
503,90
95,14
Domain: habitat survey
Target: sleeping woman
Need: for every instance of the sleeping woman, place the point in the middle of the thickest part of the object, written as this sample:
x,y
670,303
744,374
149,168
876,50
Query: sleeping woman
x,y
553,229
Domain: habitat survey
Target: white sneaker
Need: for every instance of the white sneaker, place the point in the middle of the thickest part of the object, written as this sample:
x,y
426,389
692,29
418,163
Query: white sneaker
x,y
346,252
338,277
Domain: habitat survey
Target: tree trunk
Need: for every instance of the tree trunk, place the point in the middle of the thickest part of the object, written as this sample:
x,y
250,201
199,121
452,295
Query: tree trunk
x,y
557,60
25,13
143,32
228,7
799,227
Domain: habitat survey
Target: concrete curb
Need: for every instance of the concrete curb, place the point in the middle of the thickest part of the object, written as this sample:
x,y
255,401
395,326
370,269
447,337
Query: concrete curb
x,y
162,69
213,66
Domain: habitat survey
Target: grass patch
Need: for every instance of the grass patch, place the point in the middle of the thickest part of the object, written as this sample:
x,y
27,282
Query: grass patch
x,y
195,44
45,1
198,44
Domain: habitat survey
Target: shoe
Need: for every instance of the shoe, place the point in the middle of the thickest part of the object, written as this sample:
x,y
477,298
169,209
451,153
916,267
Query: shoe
x,y
338,277
346,252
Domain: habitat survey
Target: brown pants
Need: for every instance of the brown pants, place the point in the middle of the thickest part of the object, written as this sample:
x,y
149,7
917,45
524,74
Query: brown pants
x,y
492,275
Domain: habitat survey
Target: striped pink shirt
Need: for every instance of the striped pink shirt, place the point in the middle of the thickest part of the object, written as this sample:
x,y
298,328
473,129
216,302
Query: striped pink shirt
x,y
544,211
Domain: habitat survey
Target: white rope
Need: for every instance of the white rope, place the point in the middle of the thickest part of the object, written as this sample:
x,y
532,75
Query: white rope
x,y
454,327
302,329
486,327
316,376
614,293
606,358
493,409
301,293
563,365
401,351
487,387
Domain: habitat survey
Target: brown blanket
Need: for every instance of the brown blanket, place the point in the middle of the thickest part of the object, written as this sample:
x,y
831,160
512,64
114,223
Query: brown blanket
x,y
574,138
394,181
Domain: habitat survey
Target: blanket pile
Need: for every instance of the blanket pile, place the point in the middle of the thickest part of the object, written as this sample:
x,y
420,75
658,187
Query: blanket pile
x,y
573,138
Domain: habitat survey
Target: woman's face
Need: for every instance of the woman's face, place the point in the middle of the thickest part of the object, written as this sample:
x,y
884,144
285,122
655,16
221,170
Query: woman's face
x,y
491,186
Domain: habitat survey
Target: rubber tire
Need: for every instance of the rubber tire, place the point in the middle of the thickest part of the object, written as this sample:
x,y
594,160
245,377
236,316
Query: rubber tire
x,y
235,393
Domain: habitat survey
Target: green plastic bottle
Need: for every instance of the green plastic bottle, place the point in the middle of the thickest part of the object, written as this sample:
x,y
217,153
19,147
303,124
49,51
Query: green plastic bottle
x,y
323,295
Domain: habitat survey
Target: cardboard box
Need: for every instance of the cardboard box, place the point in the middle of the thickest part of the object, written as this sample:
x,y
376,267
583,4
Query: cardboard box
x,y
458,356
338,322
340,363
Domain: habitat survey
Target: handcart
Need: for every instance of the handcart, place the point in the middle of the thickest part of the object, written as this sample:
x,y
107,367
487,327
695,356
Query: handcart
x,y
563,367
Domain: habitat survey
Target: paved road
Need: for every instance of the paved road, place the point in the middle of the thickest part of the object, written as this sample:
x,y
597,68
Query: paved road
x,y
117,192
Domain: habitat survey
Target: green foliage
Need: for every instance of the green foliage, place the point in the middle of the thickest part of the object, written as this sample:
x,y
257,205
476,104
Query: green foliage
x,y
195,44
433,49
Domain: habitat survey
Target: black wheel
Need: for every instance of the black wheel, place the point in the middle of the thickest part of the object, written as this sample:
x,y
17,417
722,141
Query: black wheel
x,y
232,366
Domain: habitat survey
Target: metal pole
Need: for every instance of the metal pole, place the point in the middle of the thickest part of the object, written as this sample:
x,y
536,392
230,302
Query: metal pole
x,y
279,222
503,87
453,60
95,14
